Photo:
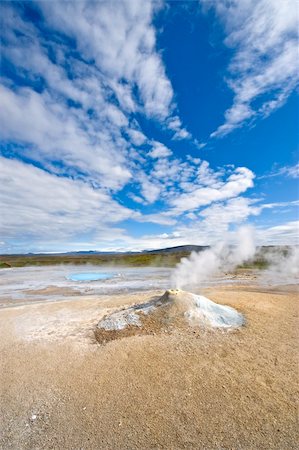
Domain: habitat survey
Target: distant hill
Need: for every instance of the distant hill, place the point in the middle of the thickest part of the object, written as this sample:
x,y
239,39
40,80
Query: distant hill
x,y
163,257
177,249
89,252
185,249
180,249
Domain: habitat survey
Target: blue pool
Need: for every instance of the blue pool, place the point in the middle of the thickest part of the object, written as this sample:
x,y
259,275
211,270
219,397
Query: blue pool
x,y
91,276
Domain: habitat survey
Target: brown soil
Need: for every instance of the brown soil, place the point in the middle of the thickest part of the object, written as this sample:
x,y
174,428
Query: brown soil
x,y
53,290
180,390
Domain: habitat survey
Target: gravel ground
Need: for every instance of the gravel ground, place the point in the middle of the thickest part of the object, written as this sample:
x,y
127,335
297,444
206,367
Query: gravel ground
x,y
223,390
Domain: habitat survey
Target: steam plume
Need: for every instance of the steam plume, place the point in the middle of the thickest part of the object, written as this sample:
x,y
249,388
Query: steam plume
x,y
224,256
283,266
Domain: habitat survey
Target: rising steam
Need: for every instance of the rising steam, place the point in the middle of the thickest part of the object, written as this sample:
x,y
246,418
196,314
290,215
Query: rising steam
x,y
282,263
224,256
283,266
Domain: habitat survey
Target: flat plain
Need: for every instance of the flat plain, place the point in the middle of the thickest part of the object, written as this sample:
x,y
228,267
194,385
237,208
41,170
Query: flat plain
x,y
199,389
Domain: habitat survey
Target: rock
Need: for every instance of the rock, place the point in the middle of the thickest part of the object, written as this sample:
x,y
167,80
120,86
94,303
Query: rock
x,y
175,308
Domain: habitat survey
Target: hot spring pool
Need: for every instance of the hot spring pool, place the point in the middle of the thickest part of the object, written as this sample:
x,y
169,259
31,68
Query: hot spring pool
x,y
91,276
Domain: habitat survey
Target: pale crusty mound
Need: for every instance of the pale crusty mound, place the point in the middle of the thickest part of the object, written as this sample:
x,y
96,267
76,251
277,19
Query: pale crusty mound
x,y
175,309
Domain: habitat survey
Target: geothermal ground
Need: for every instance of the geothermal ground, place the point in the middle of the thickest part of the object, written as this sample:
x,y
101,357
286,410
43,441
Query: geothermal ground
x,y
176,388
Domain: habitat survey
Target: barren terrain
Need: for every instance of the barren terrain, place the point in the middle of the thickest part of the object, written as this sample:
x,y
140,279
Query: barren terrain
x,y
201,389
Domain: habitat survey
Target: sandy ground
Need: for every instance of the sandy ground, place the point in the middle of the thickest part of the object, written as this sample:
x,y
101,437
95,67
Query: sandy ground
x,y
223,390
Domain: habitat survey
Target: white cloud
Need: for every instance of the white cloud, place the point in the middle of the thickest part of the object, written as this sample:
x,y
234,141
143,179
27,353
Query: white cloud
x,y
186,186
161,218
199,145
136,198
120,38
137,137
235,210
237,183
117,72
50,132
174,123
287,171
282,234
116,116
212,223
159,150
38,205
79,123
202,233
290,171
264,69
173,235
149,190
275,205
52,211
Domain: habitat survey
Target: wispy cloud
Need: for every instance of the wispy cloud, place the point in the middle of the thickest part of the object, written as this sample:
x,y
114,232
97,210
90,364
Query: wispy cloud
x,y
120,38
175,124
80,114
285,171
39,205
264,69
286,233
49,132
237,183
211,224
159,150
53,213
86,85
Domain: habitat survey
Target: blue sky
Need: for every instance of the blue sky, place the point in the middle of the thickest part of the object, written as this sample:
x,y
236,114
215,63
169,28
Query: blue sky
x,y
135,125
